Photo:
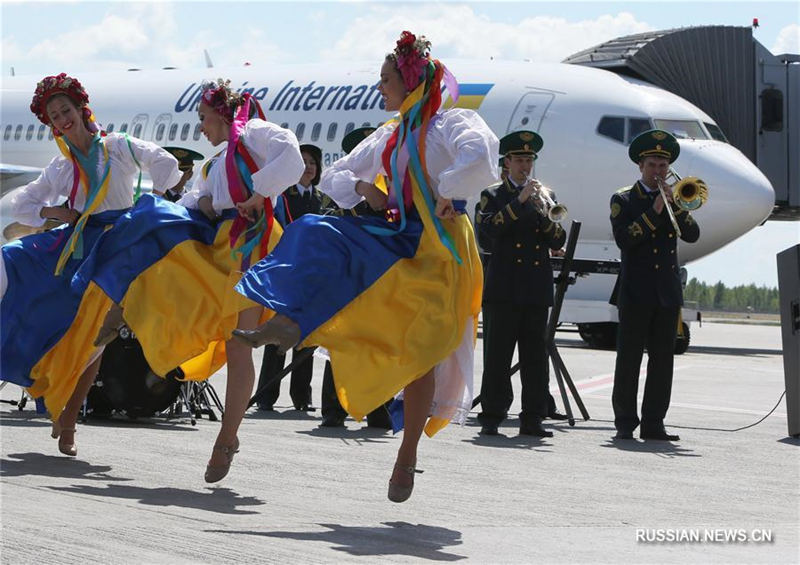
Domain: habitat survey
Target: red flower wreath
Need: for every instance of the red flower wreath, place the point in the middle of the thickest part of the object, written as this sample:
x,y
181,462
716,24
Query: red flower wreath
x,y
59,84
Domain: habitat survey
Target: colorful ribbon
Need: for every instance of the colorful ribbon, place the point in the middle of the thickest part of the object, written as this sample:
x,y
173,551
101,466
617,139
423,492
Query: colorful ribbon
x,y
404,155
239,167
95,194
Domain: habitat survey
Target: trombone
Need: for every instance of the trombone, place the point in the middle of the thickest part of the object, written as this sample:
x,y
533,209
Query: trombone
x,y
688,194
555,212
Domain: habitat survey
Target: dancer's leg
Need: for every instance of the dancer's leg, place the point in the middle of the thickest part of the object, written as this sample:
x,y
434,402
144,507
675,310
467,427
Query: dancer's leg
x,y
239,387
417,400
64,427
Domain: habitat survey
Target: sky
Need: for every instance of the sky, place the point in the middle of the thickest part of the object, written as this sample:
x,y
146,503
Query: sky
x,y
49,37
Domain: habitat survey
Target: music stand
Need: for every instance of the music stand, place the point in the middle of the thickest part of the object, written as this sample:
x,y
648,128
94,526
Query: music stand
x,y
563,280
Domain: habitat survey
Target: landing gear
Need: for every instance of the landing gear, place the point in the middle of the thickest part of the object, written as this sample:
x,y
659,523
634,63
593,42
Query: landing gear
x,y
682,341
599,335
603,335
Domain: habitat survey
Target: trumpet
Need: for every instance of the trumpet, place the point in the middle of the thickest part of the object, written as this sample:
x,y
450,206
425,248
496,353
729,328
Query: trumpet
x,y
688,194
554,212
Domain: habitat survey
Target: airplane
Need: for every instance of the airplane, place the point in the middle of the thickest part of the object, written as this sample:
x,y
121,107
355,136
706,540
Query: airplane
x,y
586,116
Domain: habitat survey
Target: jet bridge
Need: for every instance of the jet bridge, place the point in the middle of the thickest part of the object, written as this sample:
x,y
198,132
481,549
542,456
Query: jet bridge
x,y
753,95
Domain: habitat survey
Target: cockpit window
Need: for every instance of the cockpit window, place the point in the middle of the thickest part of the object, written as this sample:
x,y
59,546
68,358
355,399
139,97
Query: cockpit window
x,y
637,126
613,127
682,129
716,132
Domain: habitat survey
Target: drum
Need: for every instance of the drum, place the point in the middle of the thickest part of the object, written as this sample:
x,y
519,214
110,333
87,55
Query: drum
x,y
126,383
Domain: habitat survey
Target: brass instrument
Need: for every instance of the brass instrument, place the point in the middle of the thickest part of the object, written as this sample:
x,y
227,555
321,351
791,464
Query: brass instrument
x,y
688,194
554,212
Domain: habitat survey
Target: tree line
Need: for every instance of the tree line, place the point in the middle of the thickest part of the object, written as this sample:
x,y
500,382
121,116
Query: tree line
x,y
736,299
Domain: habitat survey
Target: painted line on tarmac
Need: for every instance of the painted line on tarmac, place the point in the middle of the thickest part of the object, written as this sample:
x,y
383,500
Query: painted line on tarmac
x,y
606,380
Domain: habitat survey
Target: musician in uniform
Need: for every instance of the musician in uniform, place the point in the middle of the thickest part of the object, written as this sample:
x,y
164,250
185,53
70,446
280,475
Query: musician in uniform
x,y
333,415
518,290
648,292
297,200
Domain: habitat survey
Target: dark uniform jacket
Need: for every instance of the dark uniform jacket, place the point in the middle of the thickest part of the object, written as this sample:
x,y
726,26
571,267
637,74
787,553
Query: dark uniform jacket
x,y
518,239
292,204
650,271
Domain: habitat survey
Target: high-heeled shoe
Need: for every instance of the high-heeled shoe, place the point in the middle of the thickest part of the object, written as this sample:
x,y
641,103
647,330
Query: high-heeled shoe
x,y
66,448
399,493
216,473
111,325
280,331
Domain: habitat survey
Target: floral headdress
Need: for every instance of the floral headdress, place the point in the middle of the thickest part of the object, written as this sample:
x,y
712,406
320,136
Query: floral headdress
x,y
61,84
221,98
412,56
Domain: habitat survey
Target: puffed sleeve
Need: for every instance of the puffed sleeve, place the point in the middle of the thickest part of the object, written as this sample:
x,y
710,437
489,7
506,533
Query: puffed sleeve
x,y
474,148
200,188
363,163
277,151
160,164
49,189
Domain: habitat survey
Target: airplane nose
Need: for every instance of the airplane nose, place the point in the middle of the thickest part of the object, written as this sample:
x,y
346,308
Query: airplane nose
x,y
739,195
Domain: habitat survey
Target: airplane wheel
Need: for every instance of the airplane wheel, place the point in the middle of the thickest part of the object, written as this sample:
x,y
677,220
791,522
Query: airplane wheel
x,y
682,342
600,335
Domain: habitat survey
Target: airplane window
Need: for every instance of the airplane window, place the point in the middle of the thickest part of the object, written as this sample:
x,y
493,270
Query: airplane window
x,y
160,132
29,133
315,131
285,125
301,128
17,133
185,131
715,132
197,132
613,127
40,135
349,127
7,133
173,130
365,125
110,128
637,126
137,130
123,128
682,129
50,134
332,131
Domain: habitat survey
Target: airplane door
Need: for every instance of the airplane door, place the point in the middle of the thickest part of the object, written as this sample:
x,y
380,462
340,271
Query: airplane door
x,y
530,111
160,126
138,125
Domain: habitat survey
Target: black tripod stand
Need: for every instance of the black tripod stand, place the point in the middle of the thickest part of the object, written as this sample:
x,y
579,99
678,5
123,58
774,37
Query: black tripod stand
x,y
563,280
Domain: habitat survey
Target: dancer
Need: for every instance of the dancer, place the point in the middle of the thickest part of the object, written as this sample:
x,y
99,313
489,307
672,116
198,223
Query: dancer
x,y
395,301
172,268
45,323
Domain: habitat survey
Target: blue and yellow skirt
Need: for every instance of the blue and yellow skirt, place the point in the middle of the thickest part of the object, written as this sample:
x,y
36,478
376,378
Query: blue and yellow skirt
x,y
48,322
173,272
387,308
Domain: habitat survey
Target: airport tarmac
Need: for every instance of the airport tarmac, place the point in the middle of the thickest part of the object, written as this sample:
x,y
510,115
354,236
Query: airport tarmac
x,y
297,493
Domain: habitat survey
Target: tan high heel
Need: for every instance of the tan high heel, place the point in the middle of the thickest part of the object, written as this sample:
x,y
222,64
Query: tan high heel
x,y
280,331
398,493
216,473
66,448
